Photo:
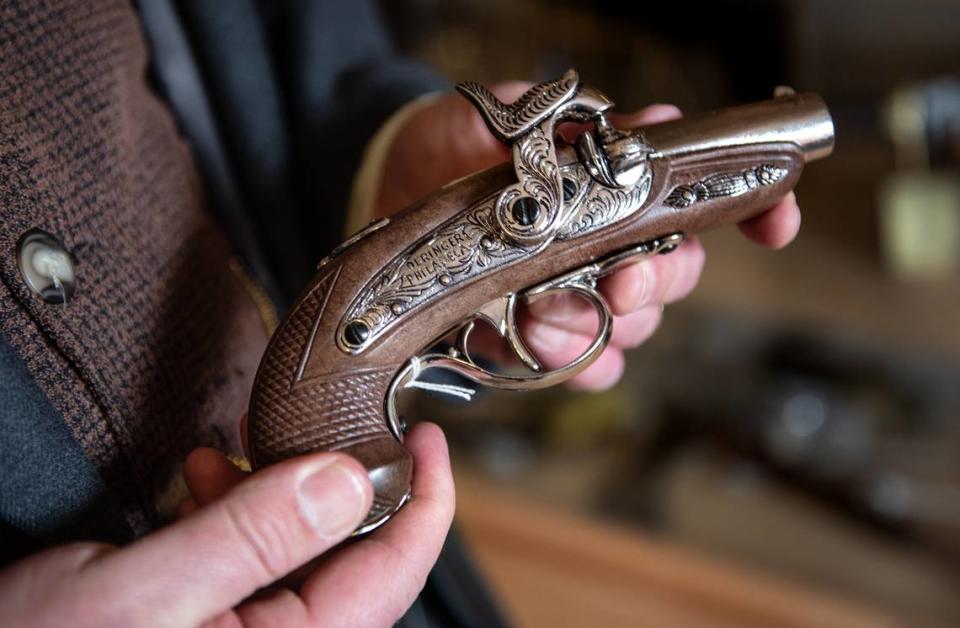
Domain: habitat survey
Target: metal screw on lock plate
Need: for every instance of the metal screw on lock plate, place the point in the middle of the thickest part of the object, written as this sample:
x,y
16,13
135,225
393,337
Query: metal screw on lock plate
x,y
526,210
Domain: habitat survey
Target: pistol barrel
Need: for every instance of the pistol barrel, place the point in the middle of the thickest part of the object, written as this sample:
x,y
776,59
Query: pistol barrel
x,y
801,119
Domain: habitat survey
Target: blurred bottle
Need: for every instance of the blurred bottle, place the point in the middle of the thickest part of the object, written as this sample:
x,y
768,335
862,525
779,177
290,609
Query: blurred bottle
x,y
919,203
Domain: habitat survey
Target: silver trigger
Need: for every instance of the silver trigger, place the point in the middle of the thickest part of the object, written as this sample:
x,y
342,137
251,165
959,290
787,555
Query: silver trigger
x,y
501,313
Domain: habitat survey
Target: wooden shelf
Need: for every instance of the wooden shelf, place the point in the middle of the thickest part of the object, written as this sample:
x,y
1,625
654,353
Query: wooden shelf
x,y
551,567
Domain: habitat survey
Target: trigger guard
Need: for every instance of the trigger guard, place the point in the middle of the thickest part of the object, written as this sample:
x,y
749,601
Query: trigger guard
x,y
460,362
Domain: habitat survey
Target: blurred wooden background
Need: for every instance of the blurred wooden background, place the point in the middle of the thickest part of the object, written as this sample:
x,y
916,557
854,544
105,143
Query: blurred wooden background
x,y
577,505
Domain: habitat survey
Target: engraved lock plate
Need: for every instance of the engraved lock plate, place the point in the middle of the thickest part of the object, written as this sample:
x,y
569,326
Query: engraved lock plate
x,y
467,247
549,201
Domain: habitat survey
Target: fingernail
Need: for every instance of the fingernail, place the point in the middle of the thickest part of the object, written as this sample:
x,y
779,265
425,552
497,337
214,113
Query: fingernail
x,y
332,499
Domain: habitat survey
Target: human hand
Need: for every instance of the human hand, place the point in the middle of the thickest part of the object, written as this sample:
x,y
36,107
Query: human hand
x,y
244,532
448,139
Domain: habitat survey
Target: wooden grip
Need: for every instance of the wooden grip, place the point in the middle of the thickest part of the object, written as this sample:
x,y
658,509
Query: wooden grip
x,y
309,395
339,411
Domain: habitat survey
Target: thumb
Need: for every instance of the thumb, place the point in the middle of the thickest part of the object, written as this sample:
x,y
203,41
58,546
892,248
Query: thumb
x,y
267,526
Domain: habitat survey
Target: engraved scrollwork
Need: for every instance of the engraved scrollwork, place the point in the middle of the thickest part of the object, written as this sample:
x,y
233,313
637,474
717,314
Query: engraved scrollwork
x,y
456,252
603,205
535,162
724,184
471,245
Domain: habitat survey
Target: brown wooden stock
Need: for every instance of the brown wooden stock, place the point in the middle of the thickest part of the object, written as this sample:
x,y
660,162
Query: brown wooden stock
x,y
310,395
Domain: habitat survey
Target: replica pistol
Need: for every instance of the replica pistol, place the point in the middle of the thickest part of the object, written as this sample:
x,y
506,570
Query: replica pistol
x,y
555,220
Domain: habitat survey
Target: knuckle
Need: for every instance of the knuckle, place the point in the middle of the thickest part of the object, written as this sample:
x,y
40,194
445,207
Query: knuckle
x,y
547,338
263,538
660,112
559,308
603,373
688,279
80,555
678,274
684,287
637,329
697,253
414,579
666,279
630,287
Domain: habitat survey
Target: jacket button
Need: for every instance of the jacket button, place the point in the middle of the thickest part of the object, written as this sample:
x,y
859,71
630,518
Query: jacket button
x,y
46,266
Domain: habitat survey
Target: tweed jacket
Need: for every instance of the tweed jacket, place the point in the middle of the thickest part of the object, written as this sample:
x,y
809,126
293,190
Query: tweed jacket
x,y
193,159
